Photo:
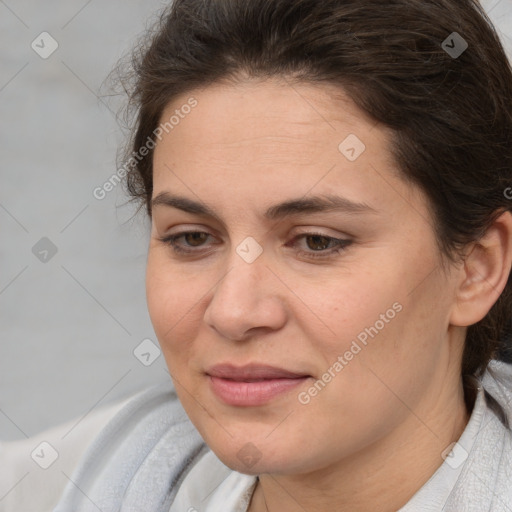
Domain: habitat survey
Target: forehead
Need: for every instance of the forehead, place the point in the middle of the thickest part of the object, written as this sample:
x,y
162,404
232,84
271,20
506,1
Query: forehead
x,y
265,137
271,121
271,108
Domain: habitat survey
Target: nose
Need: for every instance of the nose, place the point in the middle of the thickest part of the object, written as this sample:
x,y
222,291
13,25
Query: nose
x,y
246,301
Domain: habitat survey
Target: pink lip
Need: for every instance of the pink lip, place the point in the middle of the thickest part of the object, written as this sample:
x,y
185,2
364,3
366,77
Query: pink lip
x,y
251,385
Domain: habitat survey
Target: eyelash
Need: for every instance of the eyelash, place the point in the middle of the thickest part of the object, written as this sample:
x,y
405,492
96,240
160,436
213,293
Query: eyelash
x,y
340,244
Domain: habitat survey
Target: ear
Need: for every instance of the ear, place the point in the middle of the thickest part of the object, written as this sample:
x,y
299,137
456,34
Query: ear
x,y
484,274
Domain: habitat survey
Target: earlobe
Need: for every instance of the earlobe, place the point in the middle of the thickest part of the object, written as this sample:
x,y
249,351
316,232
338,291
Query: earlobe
x,y
484,273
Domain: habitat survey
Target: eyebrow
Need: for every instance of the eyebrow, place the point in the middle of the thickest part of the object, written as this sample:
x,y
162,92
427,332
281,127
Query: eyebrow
x,y
315,204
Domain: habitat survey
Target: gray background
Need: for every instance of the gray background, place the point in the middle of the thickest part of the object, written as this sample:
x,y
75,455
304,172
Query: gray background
x,y
69,325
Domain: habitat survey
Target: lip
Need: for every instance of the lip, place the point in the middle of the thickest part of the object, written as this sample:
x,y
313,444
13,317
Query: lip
x,y
253,384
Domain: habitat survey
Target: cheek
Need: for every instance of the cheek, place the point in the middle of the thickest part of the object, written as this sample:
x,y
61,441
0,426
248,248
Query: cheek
x,y
375,323
355,307
376,355
391,348
173,300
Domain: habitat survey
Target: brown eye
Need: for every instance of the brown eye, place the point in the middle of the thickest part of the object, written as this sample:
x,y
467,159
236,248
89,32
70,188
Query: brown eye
x,y
317,245
195,239
318,242
184,243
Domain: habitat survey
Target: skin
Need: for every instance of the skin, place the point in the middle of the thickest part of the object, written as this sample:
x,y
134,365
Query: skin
x,y
392,410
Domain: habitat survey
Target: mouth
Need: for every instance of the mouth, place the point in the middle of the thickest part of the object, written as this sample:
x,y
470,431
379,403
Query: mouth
x,y
252,385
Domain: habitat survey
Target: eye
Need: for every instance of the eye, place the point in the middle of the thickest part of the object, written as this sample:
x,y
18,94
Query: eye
x,y
322,246
192,239
319,245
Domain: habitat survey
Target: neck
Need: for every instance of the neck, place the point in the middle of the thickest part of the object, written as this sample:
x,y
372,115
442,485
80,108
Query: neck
x,y
383,477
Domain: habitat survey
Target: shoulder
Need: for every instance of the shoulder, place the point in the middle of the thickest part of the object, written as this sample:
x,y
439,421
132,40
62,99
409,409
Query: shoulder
x,y
138,458
44,470
476,475
486,475
32,474
497,382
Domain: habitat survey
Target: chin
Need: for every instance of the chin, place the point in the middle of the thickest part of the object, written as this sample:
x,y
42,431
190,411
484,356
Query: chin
x,y
250,458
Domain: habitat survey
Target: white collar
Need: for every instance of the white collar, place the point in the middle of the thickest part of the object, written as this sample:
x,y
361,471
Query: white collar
x,y
210,486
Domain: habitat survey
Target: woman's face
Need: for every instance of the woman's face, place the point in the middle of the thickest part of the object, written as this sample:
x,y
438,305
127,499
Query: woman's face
x,y
307,255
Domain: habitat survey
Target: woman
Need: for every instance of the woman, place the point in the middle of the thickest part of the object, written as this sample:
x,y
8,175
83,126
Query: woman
x,y
329,267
